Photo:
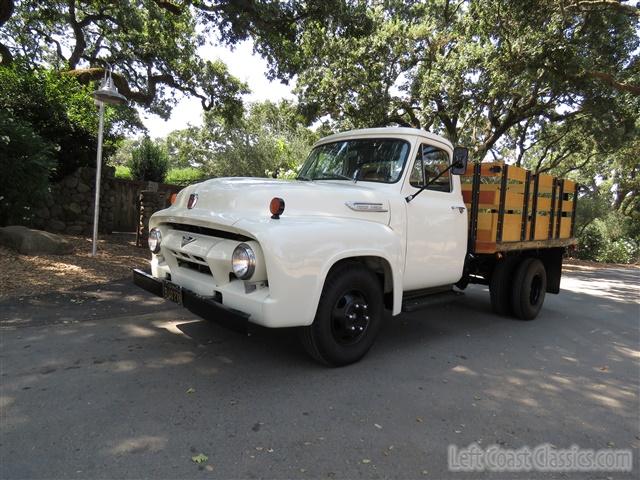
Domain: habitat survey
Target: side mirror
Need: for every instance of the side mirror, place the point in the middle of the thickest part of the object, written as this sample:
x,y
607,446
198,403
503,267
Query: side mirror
x,y
460,158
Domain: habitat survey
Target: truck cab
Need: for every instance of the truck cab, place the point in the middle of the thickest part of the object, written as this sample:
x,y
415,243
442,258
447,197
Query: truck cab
x,y
376,220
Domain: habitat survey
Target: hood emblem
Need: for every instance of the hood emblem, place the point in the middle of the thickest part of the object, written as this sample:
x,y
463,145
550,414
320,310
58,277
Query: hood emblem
x,y
186,240
366,206
193,199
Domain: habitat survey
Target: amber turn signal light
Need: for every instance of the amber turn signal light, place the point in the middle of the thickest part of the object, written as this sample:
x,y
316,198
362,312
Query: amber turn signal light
x,y
277,207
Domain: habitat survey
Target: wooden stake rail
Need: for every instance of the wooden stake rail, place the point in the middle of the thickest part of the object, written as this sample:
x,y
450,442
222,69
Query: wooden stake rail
x,y
511,208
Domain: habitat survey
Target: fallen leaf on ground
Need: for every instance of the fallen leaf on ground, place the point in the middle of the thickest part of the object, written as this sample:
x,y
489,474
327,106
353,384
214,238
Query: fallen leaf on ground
x,y
200,458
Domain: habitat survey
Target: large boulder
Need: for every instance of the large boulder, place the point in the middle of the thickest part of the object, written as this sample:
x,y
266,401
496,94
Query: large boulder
x,y
34,242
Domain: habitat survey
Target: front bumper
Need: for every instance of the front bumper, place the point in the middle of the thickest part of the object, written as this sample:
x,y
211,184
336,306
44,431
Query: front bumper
x,y
204,307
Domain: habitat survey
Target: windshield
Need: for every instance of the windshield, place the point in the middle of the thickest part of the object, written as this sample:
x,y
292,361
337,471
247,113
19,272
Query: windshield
x,y
374,160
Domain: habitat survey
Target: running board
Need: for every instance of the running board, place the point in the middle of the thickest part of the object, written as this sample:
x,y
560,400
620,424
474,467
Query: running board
x,y
412,304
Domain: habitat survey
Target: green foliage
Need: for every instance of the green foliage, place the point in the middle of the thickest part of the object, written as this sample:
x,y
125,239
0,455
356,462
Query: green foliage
x,y
184,176
148,162
122,154
610,238
186,148
617,251
61,112
591,241
472,70
267,139
123,172
26,160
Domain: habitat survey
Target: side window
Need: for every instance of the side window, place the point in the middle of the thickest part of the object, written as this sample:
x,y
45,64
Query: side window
x,y
430,161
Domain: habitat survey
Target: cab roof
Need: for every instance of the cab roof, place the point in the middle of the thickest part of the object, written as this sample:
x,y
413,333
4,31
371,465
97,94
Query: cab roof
x,y
385,131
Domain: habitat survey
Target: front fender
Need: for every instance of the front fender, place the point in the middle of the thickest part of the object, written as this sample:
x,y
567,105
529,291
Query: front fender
x,y
300,251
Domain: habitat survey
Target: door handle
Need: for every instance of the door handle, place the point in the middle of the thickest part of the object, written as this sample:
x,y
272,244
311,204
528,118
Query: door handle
x,y
460,209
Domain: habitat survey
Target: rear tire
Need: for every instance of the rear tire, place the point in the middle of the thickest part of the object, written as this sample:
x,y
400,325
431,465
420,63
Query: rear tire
x,y
500,285
348,318
529,288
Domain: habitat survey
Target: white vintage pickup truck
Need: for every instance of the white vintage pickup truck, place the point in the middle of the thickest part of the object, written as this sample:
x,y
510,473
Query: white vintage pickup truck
x,y
378,219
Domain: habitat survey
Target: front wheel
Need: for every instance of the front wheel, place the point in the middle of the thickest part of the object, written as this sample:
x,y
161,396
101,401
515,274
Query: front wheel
x,y
348,318
529,287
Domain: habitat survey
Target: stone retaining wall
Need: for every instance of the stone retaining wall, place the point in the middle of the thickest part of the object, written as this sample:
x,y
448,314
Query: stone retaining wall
x,y
69,207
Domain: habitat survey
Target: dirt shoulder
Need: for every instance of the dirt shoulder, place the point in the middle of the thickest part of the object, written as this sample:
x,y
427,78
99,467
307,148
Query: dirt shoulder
x,y
22,275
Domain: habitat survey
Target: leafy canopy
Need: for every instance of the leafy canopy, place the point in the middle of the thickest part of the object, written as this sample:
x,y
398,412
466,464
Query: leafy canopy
x,y
153,44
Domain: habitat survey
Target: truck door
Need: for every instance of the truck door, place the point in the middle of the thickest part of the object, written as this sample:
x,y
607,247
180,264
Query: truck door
x,y
436,222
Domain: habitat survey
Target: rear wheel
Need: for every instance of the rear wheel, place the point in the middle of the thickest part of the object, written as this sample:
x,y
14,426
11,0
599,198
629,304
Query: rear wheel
x,y
500,285
529,288
348,319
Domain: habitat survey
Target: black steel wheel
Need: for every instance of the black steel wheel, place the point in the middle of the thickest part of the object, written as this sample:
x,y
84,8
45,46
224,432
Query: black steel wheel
x,y
529,288
348,318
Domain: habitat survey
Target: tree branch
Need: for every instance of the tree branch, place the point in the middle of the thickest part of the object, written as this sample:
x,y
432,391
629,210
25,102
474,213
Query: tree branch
x,y
81,43
610,80
6,10
612,4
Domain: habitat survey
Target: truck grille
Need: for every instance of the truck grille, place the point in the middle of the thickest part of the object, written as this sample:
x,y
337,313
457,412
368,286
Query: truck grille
x,y
192,262
211,232
198,267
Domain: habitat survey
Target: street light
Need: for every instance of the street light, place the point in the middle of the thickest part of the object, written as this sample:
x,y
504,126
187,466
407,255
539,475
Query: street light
x,y
107,93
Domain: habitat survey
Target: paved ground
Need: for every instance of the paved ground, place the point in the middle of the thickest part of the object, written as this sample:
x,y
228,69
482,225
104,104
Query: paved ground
x,y
96,385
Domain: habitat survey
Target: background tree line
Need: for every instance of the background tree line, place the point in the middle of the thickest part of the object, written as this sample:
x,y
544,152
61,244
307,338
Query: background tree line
x,y
552,85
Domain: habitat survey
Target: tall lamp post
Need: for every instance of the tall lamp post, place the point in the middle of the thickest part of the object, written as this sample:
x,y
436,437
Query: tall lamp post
x,y
107,93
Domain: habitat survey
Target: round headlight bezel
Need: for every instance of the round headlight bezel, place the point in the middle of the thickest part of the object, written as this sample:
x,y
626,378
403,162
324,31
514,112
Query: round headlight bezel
x,y
243,261
154,240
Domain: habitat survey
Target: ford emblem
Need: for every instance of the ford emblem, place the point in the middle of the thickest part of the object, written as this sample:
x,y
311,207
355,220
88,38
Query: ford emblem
x,y
186,240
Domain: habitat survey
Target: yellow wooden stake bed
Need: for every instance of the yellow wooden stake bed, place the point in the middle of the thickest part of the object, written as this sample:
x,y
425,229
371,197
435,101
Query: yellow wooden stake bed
x,y
510,208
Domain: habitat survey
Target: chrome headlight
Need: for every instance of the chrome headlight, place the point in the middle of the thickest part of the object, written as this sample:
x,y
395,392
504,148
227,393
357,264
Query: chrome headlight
x,y
155,239
243,261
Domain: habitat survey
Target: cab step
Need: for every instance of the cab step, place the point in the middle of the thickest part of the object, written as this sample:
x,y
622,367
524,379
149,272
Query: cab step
x,y
418,302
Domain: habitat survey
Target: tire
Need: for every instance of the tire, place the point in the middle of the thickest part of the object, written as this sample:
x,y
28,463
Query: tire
x,y
529,288
330,339
500,285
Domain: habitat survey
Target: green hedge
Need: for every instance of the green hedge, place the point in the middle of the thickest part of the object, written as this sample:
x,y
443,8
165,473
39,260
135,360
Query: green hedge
x,y
124,172
184,176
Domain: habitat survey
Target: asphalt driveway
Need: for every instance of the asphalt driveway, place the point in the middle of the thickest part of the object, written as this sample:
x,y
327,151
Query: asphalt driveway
x,y
115,383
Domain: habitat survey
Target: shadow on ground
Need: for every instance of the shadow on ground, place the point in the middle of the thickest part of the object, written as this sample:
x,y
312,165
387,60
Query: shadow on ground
x,y
122,384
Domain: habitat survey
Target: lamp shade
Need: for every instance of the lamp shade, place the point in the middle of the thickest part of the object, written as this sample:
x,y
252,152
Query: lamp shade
x,y
108,93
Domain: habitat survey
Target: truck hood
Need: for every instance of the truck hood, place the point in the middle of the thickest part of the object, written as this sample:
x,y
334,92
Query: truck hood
x,y
227,200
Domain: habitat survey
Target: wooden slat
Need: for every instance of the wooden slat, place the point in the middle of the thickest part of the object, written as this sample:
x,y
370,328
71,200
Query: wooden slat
x,y
542,228
517,173
511,227
544,204
565,227
567,205
545,182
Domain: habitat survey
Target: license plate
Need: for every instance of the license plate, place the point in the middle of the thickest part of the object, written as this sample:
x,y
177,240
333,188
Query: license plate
x,y
172,292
